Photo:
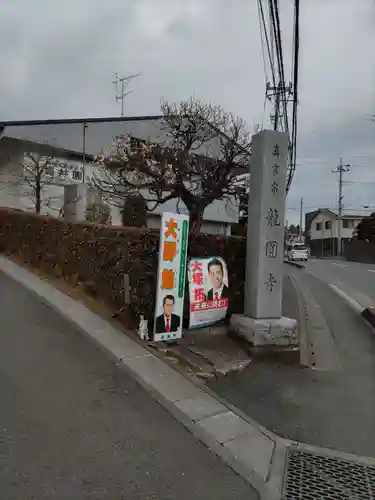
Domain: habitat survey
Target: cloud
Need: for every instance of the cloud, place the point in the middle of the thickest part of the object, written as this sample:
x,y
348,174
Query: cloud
x,y
59,60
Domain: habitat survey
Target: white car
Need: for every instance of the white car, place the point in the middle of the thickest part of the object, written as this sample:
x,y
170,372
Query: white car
x,y
298,251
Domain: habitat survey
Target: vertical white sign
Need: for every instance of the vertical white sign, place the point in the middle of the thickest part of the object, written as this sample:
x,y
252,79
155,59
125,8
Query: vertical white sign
x,y
169,306
265,233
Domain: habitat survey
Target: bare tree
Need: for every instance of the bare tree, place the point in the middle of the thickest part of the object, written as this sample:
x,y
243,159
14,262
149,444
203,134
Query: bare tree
x,y
205,151
39,170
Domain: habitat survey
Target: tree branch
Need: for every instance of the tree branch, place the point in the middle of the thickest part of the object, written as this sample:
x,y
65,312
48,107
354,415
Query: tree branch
x,y
200,161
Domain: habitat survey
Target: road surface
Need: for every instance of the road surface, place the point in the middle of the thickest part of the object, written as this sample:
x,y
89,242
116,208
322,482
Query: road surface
x,y
73,426
333,409
354,278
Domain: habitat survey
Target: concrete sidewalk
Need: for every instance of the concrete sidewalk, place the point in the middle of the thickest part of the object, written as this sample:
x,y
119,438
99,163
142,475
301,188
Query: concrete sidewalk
x,y
259,455
332,404
211,352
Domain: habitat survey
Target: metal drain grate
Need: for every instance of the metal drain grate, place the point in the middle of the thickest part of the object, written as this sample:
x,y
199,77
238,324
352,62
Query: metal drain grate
x,y
321,477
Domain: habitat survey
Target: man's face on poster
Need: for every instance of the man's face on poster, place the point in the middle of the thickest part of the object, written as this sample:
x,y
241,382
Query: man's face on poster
x,y
168,307
216,276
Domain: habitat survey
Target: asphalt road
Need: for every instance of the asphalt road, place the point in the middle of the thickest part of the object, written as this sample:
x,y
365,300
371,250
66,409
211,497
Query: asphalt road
x,y
355,278
334,409
74,426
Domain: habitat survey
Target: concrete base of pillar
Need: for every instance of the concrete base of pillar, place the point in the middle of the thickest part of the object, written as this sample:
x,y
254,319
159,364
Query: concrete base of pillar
x,y
75,202
263,332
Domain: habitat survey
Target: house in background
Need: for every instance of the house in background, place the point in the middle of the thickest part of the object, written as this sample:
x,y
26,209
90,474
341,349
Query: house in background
x,y
322,231
78,140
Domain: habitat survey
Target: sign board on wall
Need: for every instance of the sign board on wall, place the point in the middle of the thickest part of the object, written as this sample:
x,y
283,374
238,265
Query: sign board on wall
x,y
174,233
208,290
57,172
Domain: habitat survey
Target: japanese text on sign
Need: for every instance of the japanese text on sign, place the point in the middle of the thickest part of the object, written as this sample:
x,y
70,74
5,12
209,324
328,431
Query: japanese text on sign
x,y
197,273
208,291
169,253
271,249
273,218
171,276
270,283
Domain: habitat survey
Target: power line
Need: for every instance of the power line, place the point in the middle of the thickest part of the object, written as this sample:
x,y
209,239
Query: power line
x,y
279,93
359,182
295,66
263,28
265,41
328,159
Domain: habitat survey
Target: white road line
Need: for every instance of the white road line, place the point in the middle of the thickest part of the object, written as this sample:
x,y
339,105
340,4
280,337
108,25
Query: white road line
x,y
351,302
339,265
371,270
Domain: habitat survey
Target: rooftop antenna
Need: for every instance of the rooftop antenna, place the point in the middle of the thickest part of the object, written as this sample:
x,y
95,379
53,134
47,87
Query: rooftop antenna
x,y
121,84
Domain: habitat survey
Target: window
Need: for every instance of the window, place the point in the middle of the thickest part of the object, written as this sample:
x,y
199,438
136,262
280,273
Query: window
x,y
318,226
347,224
77,175
328,224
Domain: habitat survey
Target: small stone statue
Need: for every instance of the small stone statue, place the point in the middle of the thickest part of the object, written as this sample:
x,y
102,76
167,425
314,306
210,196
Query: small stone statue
x,y
143,328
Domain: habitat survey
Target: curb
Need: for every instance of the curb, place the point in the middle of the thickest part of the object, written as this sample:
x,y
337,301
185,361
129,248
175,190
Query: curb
x,y
294,264
318,349
257,455
305,354
367,313
253,452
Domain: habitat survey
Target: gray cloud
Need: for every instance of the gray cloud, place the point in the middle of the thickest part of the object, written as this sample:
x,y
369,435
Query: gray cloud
x,y
59,57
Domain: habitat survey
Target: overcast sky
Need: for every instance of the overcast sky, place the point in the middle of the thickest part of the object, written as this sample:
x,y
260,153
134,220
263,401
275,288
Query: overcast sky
x,y
59,58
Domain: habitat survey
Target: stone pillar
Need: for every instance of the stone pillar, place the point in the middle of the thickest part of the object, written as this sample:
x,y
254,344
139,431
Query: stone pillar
x,y
75,202
262,322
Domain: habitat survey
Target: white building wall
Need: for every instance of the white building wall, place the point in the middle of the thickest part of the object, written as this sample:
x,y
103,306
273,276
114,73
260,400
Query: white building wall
x,y
13,195
208,227
98,137
325,232
347,232
323,220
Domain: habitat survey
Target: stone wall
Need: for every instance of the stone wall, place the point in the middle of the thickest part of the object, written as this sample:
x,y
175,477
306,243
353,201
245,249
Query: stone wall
x,y
99,256
360,251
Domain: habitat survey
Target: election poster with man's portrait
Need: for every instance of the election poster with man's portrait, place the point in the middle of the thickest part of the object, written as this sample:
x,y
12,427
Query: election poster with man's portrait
x,y
208,291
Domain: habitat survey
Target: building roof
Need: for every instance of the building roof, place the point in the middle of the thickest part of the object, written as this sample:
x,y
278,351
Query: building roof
x,y
92,136
330,213
354,216
14,123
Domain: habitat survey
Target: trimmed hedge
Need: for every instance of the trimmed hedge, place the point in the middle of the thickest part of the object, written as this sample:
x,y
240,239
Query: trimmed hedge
x,y
99,256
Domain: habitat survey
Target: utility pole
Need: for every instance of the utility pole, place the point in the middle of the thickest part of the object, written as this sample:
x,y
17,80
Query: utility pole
x,y
84,152
340,169
121,84
301,220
